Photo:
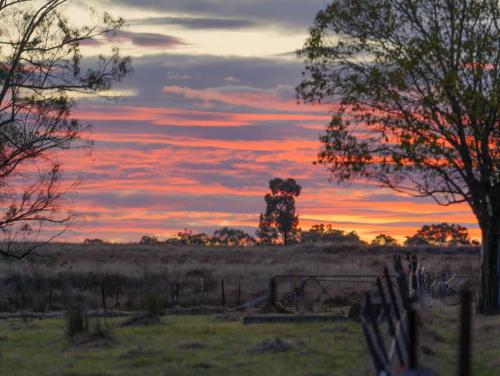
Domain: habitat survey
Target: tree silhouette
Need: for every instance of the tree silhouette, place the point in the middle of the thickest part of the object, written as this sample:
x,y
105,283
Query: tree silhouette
x,y
323,232
440,234
188,237
149,240
280,211
266,232
40,69
417,87
232,237
384,239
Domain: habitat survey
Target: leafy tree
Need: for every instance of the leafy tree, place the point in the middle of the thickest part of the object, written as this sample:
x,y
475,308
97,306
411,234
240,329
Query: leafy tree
x,y
323,232
440,234
384,239
187,237
266,232
40,75
149,240
280,208
417,91
93,241
232,237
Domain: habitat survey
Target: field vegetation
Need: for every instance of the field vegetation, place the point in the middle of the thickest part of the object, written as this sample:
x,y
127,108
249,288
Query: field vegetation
x,y
72,274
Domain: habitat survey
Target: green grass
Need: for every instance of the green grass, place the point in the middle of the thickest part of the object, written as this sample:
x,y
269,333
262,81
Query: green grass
x,y
183,345
221,345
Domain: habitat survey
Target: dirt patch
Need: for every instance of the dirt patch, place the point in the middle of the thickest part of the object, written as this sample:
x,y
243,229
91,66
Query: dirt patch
x,y
191,346
138,352
200,310
92,340
228,317
202,365
272,346
142,320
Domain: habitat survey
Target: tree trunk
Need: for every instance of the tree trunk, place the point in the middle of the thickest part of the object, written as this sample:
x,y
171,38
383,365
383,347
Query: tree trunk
x,y
285,238
489,296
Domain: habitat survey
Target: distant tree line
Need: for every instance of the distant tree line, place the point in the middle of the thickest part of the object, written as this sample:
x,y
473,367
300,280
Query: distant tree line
x,y
279,224
442,235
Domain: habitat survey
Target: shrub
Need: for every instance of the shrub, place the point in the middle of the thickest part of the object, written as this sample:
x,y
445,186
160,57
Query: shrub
x,y
77,322
154,305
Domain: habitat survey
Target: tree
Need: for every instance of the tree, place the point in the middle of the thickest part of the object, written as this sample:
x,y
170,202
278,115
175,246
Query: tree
x,y
188,237
266,232
40,75
94,241
442,234
384,239
416,87
280,208
232,237
149,240
323,232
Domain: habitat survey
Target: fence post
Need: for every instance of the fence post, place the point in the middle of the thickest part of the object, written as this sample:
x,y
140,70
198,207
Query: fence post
x,y
223,295
50,299
117,296
376,329
378,362
412,339
103,296
442,288
239,293
177,288
390,322
273,298
465,334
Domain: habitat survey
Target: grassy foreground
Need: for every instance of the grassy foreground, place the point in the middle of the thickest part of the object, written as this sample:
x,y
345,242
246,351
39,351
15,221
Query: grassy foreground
x,y
184,345
221,345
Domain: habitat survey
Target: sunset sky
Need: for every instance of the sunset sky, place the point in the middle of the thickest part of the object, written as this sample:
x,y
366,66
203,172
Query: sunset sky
x,y
208,117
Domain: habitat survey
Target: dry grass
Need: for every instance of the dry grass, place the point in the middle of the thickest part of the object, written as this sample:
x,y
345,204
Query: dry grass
x,y
73,273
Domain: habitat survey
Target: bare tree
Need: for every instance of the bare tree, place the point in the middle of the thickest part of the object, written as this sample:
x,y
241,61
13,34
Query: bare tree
x,y
417,83
41,72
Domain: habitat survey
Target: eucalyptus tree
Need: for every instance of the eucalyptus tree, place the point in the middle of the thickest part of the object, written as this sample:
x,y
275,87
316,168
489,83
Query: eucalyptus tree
x,y
42,72
415,93
280,217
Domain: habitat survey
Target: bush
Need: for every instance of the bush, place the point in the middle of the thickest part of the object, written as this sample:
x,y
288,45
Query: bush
x,y
154,305
77,322
79,331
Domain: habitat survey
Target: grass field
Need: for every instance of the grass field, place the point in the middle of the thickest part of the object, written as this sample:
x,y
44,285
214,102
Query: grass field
x,y
216,344
184,345
73,272
222,345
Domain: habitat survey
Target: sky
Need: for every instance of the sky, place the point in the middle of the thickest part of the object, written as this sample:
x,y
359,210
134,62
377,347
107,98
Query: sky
x,y
191,139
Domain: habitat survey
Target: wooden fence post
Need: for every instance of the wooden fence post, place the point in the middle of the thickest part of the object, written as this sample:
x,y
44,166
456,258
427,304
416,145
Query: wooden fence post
x,y
50,299
378,362
375,326
390,322
223,295
117,301
273,298
442,288
239,293
103,296
412,339
464,360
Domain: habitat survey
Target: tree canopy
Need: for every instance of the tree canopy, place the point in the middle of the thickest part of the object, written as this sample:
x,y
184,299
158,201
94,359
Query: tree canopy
x,y
280,214
415,93
41,73
441,234
384,239
327,233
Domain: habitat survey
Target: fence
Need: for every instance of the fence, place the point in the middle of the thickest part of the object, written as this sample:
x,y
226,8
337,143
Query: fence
x,y
390,321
